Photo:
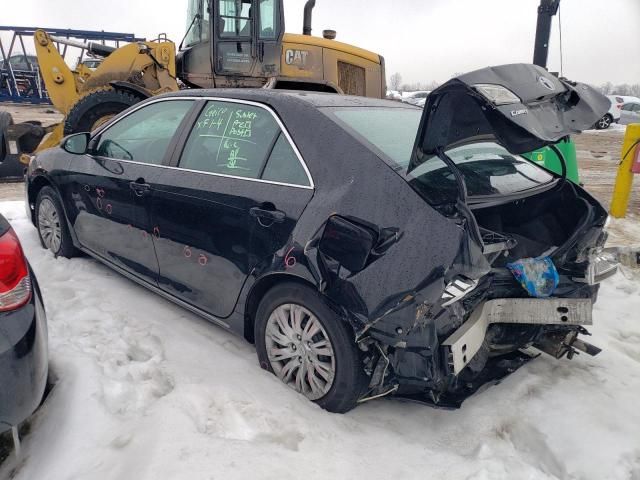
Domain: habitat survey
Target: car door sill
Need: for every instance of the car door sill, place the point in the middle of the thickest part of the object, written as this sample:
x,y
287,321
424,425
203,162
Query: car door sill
x,y
158,290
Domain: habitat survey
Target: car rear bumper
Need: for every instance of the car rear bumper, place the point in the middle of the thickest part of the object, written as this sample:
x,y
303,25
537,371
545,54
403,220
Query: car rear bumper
x,y
467,340
23,360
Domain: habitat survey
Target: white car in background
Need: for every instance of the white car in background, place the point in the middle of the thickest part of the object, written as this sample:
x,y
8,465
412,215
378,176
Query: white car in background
x,y
630,112
613,115
621,111
416,98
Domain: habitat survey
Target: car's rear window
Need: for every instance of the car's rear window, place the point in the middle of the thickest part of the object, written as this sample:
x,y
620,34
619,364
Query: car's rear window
x,y
389,130
488,170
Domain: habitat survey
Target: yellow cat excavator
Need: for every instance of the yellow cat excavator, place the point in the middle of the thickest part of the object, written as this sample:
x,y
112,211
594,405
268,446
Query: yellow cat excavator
x,y
228,43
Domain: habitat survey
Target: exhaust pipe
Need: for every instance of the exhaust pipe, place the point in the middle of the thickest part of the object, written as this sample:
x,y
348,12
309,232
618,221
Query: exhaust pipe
x,y
306,24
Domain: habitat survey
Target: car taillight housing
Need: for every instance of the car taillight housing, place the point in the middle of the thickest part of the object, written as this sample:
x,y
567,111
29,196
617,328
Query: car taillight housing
x,y
15,283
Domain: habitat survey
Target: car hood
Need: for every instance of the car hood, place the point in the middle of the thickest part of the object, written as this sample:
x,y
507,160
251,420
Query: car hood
x,y
522,106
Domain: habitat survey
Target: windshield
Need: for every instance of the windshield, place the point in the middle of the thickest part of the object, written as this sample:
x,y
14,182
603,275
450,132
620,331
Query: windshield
x,y
197,22
488,168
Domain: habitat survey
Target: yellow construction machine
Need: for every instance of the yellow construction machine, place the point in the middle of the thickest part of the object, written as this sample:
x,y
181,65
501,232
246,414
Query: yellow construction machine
x,y
228,43
87,98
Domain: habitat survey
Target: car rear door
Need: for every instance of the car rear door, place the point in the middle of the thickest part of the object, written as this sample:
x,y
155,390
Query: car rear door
x,y
236,190
108,190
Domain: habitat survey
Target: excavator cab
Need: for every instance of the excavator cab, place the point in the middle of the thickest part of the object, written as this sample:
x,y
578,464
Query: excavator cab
x,y
231,43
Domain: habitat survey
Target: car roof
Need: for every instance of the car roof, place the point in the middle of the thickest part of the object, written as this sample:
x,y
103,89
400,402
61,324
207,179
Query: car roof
x,y
271,96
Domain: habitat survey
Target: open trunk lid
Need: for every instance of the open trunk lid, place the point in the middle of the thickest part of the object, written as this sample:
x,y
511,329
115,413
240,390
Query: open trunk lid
x,y
522,106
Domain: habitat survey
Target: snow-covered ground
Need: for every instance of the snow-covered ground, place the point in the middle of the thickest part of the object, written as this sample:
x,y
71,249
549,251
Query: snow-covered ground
x,y
147,390
614,127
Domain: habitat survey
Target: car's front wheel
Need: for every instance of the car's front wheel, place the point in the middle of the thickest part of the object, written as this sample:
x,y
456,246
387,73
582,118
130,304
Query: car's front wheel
x,y
301,340
52,227
604,122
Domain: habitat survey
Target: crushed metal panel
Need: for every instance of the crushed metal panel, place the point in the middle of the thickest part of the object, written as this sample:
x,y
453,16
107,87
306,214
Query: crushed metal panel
x,y
464,343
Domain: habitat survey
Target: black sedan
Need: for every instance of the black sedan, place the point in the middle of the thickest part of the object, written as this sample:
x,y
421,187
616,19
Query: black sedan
x,y
365,247
23,334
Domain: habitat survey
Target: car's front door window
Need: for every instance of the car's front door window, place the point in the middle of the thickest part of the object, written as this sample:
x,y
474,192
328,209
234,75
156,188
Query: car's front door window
x,y
144,135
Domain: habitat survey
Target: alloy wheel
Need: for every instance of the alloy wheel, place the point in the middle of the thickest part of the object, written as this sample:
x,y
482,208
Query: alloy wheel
x,y
49,225
604,122
300,351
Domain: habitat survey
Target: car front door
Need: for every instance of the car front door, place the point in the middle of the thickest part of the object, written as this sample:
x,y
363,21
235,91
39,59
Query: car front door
x,y
107,193
238,187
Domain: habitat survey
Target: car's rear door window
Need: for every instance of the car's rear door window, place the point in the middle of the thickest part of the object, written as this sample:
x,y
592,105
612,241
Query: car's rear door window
x,y
144,135
283,165
241,140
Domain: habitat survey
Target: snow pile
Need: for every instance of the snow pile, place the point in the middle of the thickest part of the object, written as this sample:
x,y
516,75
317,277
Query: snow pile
x,y
147,390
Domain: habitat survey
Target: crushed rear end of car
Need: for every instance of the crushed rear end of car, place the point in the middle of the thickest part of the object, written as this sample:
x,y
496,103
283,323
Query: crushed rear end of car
x,y
530,254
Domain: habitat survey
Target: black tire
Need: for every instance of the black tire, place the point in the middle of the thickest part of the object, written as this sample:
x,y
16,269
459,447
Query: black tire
x,y
349,380
605,122
5,121
96,105
66,247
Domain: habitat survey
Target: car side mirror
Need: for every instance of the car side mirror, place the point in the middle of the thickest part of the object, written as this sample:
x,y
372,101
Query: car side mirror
x,y
77,143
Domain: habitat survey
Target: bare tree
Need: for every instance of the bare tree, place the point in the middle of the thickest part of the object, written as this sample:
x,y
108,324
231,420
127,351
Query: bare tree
x,y
606,88
395,81
623,89
431,85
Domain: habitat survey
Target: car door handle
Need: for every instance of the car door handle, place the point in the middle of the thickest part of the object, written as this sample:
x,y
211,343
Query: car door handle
x,y
140,189
267,217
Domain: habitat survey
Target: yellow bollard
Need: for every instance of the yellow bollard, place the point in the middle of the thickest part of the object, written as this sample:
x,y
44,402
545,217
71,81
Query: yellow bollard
x,y
624,180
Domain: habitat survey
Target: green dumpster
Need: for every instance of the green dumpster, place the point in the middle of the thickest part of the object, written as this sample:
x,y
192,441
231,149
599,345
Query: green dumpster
x,y
548,159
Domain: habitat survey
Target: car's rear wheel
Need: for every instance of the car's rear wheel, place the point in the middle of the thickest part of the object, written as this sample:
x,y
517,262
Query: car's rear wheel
x,y
52,228
301,340
604,122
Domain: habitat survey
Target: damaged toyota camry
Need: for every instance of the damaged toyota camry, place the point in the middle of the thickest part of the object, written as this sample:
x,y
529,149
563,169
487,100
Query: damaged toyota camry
x,y
366,247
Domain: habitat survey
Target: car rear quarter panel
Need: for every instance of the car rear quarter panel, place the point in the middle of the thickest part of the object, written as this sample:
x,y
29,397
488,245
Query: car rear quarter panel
x,y
394,297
